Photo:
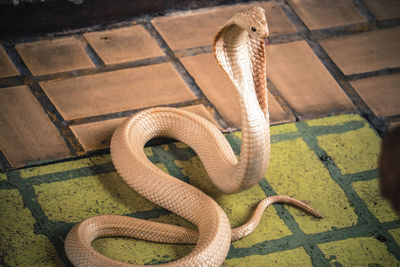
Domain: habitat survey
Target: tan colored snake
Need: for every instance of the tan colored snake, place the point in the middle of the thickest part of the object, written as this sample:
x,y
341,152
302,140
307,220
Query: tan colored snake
x,y
239,49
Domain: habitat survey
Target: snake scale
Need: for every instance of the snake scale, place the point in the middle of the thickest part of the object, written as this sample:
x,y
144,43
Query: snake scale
x,y
239,48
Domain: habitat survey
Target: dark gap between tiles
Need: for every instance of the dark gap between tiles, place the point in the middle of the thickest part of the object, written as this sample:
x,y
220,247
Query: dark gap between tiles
x,y
364,10
69,138
335,71
183,72
94,57
127,113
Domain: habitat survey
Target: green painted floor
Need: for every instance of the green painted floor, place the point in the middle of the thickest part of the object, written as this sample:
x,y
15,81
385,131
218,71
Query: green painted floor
x,y
329,163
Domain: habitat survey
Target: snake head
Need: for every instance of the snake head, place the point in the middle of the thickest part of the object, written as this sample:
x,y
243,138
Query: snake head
x,y
253,21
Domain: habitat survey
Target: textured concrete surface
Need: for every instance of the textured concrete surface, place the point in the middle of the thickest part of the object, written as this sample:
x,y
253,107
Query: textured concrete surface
x,y
318,161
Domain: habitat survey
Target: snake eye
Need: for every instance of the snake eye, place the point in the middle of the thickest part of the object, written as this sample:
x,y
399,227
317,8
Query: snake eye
x,y
253,29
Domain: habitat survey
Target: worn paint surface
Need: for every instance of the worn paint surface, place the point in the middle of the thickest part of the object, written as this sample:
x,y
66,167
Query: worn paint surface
x,y
329,163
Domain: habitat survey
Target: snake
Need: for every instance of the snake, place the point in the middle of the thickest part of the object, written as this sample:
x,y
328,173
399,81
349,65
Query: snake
x,y
239,48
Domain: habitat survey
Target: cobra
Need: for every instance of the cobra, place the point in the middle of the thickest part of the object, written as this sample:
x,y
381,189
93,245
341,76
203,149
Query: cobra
x,y
239,48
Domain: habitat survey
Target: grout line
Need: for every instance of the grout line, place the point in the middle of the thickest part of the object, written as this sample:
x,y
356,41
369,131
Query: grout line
x,y
94,57
292,16
174,60
360,208
317,256
183,72
287,108
102,69
173,56
126,113
42,225
364,10
4,163
337,74
376,73
73,145
347,88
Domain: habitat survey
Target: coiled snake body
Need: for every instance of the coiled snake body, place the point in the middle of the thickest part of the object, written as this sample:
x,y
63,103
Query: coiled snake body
x,y
239,49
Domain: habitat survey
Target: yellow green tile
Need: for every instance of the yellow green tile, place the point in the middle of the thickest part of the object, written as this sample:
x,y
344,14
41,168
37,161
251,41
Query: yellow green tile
x,y
353,151
238,207
65,166
19,245
3,177
148,151
294,257
395,233
335,120
283,128
361,251
139,251
296,171
76,199
181,145
370,194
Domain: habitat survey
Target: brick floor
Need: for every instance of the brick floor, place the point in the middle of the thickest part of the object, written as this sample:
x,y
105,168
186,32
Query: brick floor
x,y
117,91
97,135
387,9
41,204
7,68
85,98
221,92
179,34
326,58
27,135
381,93
318,14
304,81
124,44
365,52
55,55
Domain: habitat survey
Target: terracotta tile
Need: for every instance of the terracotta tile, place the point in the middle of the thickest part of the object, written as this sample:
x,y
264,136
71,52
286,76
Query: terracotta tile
x,y
382,93
124,44
219,90
56,55
201,110
303,80
7,68
97,135
365,52
277,114
384,9
318,14
197,29
26,133
117,91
